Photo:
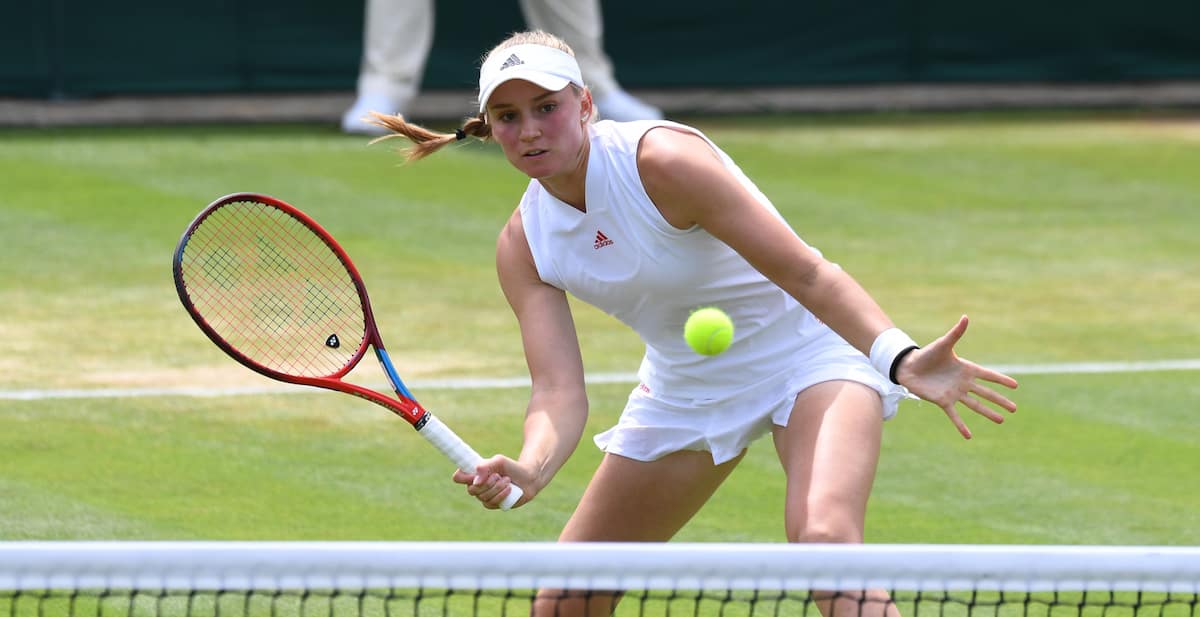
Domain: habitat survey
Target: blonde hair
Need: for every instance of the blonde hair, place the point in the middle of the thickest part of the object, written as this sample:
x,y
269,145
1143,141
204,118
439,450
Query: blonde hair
x,y
425,141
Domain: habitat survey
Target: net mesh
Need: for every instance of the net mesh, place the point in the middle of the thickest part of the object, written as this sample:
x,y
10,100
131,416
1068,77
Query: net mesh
x,y
384,603
469,579
273,289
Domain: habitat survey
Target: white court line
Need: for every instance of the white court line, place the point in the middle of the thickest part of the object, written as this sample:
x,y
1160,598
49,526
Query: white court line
x,y
523,382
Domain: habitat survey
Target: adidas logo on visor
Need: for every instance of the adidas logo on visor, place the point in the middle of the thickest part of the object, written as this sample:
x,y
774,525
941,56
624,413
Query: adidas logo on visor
x,y
512,61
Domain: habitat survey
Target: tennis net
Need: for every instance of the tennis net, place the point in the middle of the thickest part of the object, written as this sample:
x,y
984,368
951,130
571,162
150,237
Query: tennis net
x,y
386,579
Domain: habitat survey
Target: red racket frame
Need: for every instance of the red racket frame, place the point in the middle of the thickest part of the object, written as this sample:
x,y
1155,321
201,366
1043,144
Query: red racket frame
x,y
404,405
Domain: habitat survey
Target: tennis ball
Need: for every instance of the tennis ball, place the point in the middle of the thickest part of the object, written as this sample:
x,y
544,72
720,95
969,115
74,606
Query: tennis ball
x,y
708,331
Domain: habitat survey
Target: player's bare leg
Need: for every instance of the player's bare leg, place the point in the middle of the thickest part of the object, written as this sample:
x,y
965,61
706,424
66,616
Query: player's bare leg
x,y
829,451
633,501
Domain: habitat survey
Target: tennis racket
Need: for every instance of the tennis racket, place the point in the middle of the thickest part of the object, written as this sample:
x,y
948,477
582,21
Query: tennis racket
x,y
276,292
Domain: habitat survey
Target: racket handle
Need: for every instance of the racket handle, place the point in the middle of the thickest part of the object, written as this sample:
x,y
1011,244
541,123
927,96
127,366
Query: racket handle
x,y
462,454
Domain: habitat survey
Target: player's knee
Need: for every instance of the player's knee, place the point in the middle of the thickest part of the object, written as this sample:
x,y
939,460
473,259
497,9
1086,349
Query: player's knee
x,y
827,531
569,603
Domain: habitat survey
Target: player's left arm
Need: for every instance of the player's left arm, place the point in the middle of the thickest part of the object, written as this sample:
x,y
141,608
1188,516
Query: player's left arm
x,y
690,185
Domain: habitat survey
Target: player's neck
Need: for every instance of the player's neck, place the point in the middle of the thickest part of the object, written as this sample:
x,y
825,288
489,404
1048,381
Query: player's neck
x,y
570,186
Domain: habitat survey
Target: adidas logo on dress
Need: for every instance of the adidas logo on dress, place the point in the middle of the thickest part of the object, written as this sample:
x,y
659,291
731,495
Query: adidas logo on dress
x,y
602,240
512,61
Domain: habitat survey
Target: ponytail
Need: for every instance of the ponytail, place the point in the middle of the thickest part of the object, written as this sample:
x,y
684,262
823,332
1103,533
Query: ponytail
x,y
425,141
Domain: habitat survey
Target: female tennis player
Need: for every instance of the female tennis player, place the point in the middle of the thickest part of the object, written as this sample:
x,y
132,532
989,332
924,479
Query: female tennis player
x,y
648,221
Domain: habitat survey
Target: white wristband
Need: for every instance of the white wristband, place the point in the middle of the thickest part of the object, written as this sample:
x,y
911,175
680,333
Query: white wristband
x,y
888,348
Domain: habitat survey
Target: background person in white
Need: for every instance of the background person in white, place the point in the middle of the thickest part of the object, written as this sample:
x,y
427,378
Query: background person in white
x,y
398,35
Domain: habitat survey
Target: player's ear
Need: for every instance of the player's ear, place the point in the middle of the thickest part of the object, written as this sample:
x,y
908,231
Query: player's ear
x,y
586,108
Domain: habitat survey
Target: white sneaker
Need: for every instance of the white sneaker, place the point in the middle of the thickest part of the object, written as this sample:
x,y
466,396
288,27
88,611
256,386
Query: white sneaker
x,y
621,106
353,120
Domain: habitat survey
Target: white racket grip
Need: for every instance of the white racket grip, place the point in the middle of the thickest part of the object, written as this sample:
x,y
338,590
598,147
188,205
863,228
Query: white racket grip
x,y
462,454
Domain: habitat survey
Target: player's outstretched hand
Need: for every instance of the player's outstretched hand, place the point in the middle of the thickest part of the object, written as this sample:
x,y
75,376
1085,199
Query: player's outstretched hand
x,y
491,480
935,373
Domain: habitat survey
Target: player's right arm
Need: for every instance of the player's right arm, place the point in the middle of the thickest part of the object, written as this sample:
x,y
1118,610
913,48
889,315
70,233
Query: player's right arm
x,y
558,406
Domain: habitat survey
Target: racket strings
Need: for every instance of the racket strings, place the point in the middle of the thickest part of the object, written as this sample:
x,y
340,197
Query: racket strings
x,y
274,290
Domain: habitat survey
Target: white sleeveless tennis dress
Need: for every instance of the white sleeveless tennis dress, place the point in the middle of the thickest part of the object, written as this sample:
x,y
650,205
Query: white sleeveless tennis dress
x,y
624,258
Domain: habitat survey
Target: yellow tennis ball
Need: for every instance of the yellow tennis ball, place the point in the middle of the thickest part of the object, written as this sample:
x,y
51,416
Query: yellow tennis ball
x,y
708,331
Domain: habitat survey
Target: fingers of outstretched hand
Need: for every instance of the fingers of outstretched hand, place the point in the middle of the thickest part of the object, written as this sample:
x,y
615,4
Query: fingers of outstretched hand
x,y
993,397
957,380
978,407
957,420
971,400
988,374
961,327
955,333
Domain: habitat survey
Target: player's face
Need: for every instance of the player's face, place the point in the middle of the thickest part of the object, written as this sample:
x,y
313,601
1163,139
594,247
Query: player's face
x,y
542,132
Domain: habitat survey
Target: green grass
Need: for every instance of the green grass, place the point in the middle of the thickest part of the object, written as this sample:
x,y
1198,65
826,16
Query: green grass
x,y
1064,237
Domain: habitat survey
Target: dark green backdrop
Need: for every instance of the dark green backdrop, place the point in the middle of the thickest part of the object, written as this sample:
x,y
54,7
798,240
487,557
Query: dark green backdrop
x,y
73,48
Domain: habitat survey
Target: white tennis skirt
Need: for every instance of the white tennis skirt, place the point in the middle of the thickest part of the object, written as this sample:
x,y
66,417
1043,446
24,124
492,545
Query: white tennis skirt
x,y
654,424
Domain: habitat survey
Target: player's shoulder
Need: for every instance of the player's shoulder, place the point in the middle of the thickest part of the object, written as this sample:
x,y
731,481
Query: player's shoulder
x,y
671,149
671,142
512,245
609,135
513,229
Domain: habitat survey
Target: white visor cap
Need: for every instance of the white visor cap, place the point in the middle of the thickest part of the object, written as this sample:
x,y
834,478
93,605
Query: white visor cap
x,y
547,67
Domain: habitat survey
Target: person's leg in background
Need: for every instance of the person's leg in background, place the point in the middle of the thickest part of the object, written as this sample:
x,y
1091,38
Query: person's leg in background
x,y
398,35
581,25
